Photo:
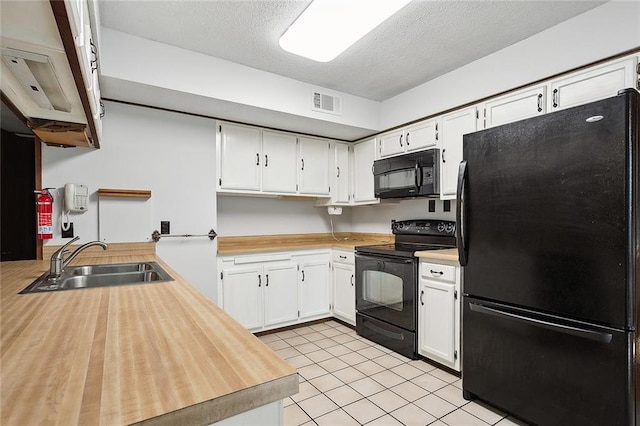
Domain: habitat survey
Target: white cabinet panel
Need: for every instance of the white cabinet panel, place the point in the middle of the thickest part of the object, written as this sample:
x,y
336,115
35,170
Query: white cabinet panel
x,y
242,295
420,135
240,157
364,154
437,320
280,293
314,287
341,188
453,127
279,172
593,84
344,292
516,106
314,166
391,143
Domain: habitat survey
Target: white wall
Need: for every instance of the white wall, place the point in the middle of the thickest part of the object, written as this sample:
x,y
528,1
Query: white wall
x,y
173,155
271,216
603,31
377,218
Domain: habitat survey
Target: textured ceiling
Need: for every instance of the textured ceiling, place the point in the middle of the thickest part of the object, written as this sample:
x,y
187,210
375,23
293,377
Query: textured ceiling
x,y
422,41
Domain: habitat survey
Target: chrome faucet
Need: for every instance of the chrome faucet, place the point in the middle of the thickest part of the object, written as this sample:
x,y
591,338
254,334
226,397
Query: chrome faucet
x,y
58,262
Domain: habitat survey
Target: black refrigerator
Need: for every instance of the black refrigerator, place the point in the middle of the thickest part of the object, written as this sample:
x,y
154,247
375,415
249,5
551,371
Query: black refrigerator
x,y
548,239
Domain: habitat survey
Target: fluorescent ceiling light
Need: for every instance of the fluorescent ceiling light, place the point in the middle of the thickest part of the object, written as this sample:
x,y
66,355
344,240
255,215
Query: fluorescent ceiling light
x,y
328,27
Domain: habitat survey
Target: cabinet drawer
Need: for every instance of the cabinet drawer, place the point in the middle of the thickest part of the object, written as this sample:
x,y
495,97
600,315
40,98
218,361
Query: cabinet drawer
x,y
438,272
343,257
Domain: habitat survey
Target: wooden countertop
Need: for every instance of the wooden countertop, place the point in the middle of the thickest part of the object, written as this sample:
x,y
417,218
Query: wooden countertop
x,y
285,242
448,254
161,353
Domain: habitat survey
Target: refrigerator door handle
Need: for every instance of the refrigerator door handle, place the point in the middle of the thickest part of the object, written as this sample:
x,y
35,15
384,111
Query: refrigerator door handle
x,y
597,336
461,214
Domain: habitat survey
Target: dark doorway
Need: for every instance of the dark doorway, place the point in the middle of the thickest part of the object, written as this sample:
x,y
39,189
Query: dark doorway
x,y
17,214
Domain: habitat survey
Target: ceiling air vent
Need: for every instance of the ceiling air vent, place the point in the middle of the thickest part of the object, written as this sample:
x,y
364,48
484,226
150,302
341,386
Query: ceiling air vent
x,y
326,103
38,78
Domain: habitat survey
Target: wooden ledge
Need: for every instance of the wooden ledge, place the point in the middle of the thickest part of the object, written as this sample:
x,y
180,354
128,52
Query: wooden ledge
x,y
125,193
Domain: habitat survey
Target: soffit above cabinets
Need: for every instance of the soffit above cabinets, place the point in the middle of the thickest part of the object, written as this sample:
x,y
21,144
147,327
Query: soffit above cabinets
x,y
30,26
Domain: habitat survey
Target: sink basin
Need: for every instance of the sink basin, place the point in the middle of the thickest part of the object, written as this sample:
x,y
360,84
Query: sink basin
x,y
90,276
110,269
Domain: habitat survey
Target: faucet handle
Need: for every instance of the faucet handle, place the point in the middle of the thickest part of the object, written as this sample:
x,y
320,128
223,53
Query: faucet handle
x,y
62,250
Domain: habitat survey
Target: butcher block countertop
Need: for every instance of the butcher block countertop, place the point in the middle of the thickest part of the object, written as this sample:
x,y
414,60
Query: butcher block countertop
x,y
448,254
158,353
285,242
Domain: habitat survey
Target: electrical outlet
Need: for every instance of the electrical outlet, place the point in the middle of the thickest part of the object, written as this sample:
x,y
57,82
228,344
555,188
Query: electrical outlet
x,y
432,206
165,227
68,233
446,206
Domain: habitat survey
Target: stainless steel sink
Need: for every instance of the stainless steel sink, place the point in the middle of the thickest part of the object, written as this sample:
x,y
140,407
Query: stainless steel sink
x,y
90,276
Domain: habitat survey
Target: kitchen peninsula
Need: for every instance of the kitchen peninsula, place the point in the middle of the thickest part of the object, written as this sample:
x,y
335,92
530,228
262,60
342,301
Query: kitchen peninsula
x,y
158,353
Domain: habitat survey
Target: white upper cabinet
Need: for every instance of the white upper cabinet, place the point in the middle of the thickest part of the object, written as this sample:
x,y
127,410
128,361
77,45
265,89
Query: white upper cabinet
x,y
592,84
279,157
515,106
364,154
240,155
341,190
453,127
418,136
314,166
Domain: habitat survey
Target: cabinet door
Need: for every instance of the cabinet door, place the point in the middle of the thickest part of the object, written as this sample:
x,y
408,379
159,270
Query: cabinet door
x,y
341,188
392,143
279,152
592,84
240,157
454,126
314,287
280,293
437,321
420,136
516,106
344,292
364,154
242,295
314,166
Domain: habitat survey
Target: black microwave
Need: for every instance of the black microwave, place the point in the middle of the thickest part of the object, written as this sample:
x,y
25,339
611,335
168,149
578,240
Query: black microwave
x,y
408,175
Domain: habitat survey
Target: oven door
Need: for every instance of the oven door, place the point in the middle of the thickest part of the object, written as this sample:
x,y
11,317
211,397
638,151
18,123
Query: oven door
x,y
386,289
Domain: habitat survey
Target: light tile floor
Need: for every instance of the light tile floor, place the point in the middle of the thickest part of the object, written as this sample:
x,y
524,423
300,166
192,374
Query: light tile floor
x,y
348,380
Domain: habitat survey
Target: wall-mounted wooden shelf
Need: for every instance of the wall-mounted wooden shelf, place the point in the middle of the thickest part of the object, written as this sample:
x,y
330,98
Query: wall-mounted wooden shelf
x,y
124,193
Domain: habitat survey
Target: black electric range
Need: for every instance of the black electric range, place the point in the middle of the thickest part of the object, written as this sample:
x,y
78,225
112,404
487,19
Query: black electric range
x,y
387,283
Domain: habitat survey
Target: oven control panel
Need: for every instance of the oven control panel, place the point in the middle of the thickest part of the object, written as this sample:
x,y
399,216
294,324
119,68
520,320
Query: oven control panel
x,y
423,227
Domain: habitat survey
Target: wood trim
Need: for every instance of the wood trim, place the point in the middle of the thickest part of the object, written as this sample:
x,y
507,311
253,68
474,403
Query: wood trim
x,y
38,166
64,28
124,193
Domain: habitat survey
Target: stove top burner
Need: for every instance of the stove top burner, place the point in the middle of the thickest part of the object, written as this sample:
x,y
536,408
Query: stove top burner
x,y
398,249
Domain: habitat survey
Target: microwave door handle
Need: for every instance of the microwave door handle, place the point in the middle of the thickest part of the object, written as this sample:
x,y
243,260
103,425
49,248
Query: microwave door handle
x,y
418,176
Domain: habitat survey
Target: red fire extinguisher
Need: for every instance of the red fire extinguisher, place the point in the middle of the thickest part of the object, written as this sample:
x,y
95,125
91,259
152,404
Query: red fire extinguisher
x,y
44,214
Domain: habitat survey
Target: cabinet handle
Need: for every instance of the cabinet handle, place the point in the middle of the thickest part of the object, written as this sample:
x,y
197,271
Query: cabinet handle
x,y
443,158
338,175
539,102
259,281
257,159
436,272
555,98
267,283
94,53
101,109
266,160
407,139
436,135
351,280
302,275
302,160
372,169
400,140
342,257
421,294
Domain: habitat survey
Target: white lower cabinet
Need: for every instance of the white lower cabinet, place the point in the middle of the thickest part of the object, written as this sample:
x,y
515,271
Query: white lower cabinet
x,y
273,290
344,290
314,289
439,313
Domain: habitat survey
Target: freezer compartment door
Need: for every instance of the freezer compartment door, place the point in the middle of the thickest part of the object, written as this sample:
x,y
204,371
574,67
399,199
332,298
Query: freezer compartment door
x,y
547,370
